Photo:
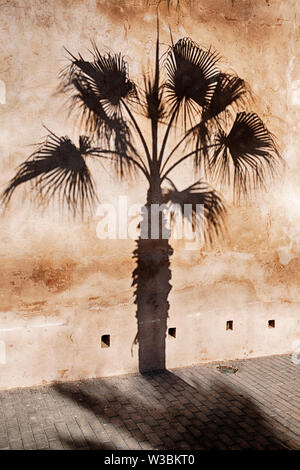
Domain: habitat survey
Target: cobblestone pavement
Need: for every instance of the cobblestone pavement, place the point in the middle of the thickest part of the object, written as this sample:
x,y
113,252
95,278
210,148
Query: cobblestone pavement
x,y
189,408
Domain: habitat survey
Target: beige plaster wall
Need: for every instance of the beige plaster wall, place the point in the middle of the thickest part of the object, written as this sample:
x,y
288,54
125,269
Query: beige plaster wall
x,y
61,287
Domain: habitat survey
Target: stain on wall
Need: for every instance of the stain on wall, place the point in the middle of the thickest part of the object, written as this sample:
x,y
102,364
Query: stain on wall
x,y
55,271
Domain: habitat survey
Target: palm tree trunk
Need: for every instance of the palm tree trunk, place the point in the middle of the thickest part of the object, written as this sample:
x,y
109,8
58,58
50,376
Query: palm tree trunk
x,y
151,279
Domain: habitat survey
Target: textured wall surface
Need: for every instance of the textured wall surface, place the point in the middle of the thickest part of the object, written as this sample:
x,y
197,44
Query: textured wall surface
x,y
61,287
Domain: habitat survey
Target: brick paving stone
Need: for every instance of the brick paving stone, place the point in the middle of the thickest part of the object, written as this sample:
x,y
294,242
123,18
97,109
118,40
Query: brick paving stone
x,y
76,434
16,444
132,444
55,444
188,408
41,442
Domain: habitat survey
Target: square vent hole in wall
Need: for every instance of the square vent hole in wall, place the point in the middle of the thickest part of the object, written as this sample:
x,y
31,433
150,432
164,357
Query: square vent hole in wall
x,y
229,325
172,332
271,323
105,341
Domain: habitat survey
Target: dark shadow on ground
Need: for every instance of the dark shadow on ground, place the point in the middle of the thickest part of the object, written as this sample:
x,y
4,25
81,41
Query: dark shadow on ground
x,y
164,411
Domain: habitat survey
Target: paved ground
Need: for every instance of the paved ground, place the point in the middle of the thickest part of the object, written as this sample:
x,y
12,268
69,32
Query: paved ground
x,y
190,408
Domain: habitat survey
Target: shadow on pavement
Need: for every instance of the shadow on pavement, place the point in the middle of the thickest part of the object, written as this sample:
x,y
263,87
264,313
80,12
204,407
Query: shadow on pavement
x,y
166,412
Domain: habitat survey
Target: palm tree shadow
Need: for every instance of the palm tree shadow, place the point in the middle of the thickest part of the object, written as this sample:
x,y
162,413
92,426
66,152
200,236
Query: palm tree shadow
x,y
193,94
163,411
151,281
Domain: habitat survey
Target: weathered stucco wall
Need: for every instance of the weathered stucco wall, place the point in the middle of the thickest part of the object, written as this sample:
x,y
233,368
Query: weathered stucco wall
x,y
61,287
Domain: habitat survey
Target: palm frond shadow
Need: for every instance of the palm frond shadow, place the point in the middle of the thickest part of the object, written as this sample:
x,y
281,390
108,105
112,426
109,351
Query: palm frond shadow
x,y
58,169
185,415
228,145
